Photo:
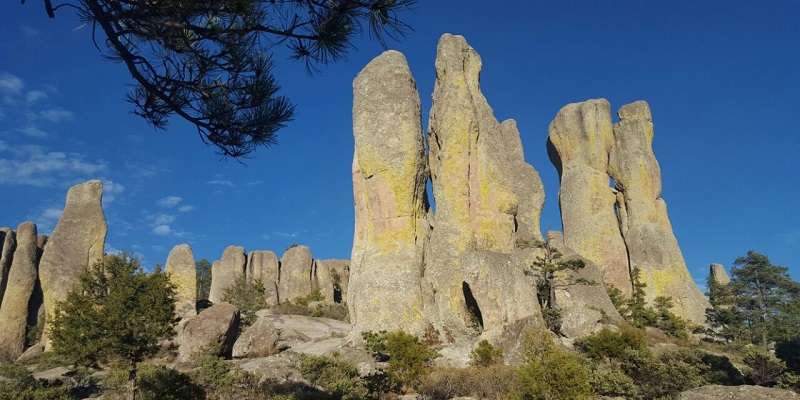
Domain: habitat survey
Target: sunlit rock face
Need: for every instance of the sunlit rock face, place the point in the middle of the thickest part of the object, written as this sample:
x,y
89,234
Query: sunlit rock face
x,y
579,140
391,208
21,283
719,275
652,246
262,266
295,273
183,274
77,242
226,271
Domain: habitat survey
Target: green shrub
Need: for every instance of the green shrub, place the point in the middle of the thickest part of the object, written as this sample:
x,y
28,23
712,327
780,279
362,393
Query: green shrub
x,y
17,383
339,379
248,297
549,372
763,368
610,381
491,382
788,351
665,375
407,356
607,344
485,354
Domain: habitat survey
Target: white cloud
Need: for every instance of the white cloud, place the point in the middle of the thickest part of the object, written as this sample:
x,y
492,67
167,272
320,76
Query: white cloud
x,y
31,130
169,201
111,190
221,182
47,219
162,230
163,219
35,95
285,234
10,83
36,166
185,208
55,115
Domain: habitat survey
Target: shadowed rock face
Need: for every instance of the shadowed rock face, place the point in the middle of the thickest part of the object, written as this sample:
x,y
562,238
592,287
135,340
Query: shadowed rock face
x,y
391,207
486,197
330,274
21,282
217,324
642,213
183,273
225,273
295,273
719,274
262,266
579,140
76,243
8,243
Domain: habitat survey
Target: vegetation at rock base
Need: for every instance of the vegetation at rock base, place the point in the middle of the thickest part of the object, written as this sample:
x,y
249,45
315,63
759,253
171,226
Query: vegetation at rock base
x,y
248,297
339,379
210,62
17,383
408,357
304,305
203,268
549,372
485,354
117,313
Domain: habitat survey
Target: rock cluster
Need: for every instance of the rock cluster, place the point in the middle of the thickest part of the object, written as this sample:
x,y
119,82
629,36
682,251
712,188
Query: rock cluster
x,y
626,226
297,274
37,271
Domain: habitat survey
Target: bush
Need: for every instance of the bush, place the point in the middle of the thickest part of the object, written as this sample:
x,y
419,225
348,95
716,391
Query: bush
x,y
155,382
339,379
486,354
763,368
612,382
407,356
788,351
550,372
492,382
17,383
665,375
247,297
607,344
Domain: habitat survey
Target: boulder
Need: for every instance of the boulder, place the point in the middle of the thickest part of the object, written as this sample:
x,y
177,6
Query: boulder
x,y
226,272
21,282
259,340
743,392
719,274
183,273
579,140
391,207
217,325
330,278
295,273
76,243
8,242
487,198
262,266
643,221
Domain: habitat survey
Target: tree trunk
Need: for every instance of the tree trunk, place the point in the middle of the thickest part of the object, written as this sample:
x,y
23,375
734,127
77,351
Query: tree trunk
x,y
131,393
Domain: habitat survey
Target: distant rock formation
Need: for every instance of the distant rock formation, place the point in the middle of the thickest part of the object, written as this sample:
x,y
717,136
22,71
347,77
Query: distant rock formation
x,y
226,271
719,274
21,283
295,273
76,243
263,266
391,207
331,279
8,241
183,273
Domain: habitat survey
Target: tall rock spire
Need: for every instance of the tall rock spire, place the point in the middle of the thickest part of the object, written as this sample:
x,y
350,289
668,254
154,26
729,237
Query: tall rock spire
x,y
391,208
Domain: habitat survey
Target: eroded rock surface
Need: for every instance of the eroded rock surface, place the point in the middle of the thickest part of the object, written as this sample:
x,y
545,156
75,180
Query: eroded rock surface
x,y
183,273
76,243
8,243
225,273
295,273
217,324
21,282
389,175
258,340
262,266
719,274
330,278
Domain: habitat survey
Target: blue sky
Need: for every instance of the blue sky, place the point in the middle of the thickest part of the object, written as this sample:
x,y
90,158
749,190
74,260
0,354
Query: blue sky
x,y
722,79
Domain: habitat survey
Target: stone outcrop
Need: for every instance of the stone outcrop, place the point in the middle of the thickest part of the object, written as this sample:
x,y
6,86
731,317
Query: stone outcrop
x,y
580,295
742,392
8,242
21,282
217,324
262,266
330,278
295,273
391,207
259,340
76,243
642,214
719,274
579,140
183,273
486,198
226,272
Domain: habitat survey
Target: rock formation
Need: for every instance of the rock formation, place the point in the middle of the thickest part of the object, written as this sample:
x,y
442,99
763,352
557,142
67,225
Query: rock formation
x,y
8,242
76,243
487,198
262,266
217,324
642,214
259,340
330,278
295,273
579,140
21,282
719,274
183,273
226,272
391,207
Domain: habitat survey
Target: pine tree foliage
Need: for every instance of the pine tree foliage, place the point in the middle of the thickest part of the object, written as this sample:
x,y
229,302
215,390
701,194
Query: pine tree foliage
x,y
210,61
